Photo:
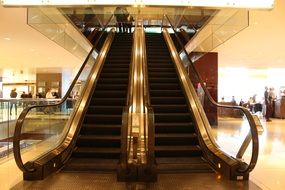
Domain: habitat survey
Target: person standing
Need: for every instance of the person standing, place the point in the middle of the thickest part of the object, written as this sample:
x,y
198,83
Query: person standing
x,y
129,23
200,93
268,108
48,109
49,94
121,14
13,94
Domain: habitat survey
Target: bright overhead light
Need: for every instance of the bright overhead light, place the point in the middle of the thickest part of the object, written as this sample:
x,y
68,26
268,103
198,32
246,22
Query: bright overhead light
x,y
8,39
259,4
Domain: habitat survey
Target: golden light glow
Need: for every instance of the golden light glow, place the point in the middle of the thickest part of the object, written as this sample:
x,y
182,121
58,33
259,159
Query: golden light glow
x,y
263,4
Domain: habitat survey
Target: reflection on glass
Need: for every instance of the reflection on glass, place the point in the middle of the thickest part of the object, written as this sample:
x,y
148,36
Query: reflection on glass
x,y
220,28
45,127
54,25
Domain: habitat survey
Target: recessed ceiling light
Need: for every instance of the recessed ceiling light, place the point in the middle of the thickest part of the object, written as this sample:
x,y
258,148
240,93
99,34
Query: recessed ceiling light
x,y
8,39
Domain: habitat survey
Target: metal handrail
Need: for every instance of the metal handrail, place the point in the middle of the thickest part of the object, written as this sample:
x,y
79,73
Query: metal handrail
x,y
252,124
126,130
108,21
149,124
20,120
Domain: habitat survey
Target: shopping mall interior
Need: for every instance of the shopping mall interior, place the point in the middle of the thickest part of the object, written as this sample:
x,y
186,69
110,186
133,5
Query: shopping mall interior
x,y
142,95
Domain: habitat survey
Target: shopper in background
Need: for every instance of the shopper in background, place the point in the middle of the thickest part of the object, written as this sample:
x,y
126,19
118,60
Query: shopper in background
x,y
129,23
268,107
49,94
13,94
49,109
121,14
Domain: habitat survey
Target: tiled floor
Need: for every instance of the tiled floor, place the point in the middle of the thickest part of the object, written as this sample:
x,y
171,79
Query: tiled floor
x,y
269,172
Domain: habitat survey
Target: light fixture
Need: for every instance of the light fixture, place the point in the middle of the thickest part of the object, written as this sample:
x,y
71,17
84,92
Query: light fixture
x,y
259,4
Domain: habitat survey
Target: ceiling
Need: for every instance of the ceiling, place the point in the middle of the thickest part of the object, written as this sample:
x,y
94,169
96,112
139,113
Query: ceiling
x,y
259,46
23,49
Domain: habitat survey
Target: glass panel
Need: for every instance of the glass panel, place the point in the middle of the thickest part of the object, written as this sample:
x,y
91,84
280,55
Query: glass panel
x,y
224,25
46,127
54,25
229,126
4,129
10,110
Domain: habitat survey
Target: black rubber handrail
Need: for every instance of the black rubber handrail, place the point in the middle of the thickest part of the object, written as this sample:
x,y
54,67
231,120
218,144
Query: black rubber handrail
x,y
20,120
253,128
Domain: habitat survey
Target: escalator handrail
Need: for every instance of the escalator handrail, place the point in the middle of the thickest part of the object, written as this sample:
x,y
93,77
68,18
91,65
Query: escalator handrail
x,y
252,124
21,118
149,116
126,130
108,21
92,34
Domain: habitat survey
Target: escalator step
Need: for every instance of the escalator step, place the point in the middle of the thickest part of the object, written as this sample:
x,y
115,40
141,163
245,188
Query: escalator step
x,y
161,69
164,86
160,65
115,70
170,108
182,165
177,151
172,117
174,128
103,119
105,109
176,139
117,60
166,93
168,100
93,129
93,152
113,86
103,141
110,94
114,75
162,74
117,65
158,80
108,101
113,81
92,165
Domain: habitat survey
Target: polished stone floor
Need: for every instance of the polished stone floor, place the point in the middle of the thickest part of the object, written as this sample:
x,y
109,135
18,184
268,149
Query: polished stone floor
x,y
269,172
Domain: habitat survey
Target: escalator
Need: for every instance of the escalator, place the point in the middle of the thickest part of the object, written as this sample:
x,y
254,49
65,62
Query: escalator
x,y
177,147
98,144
